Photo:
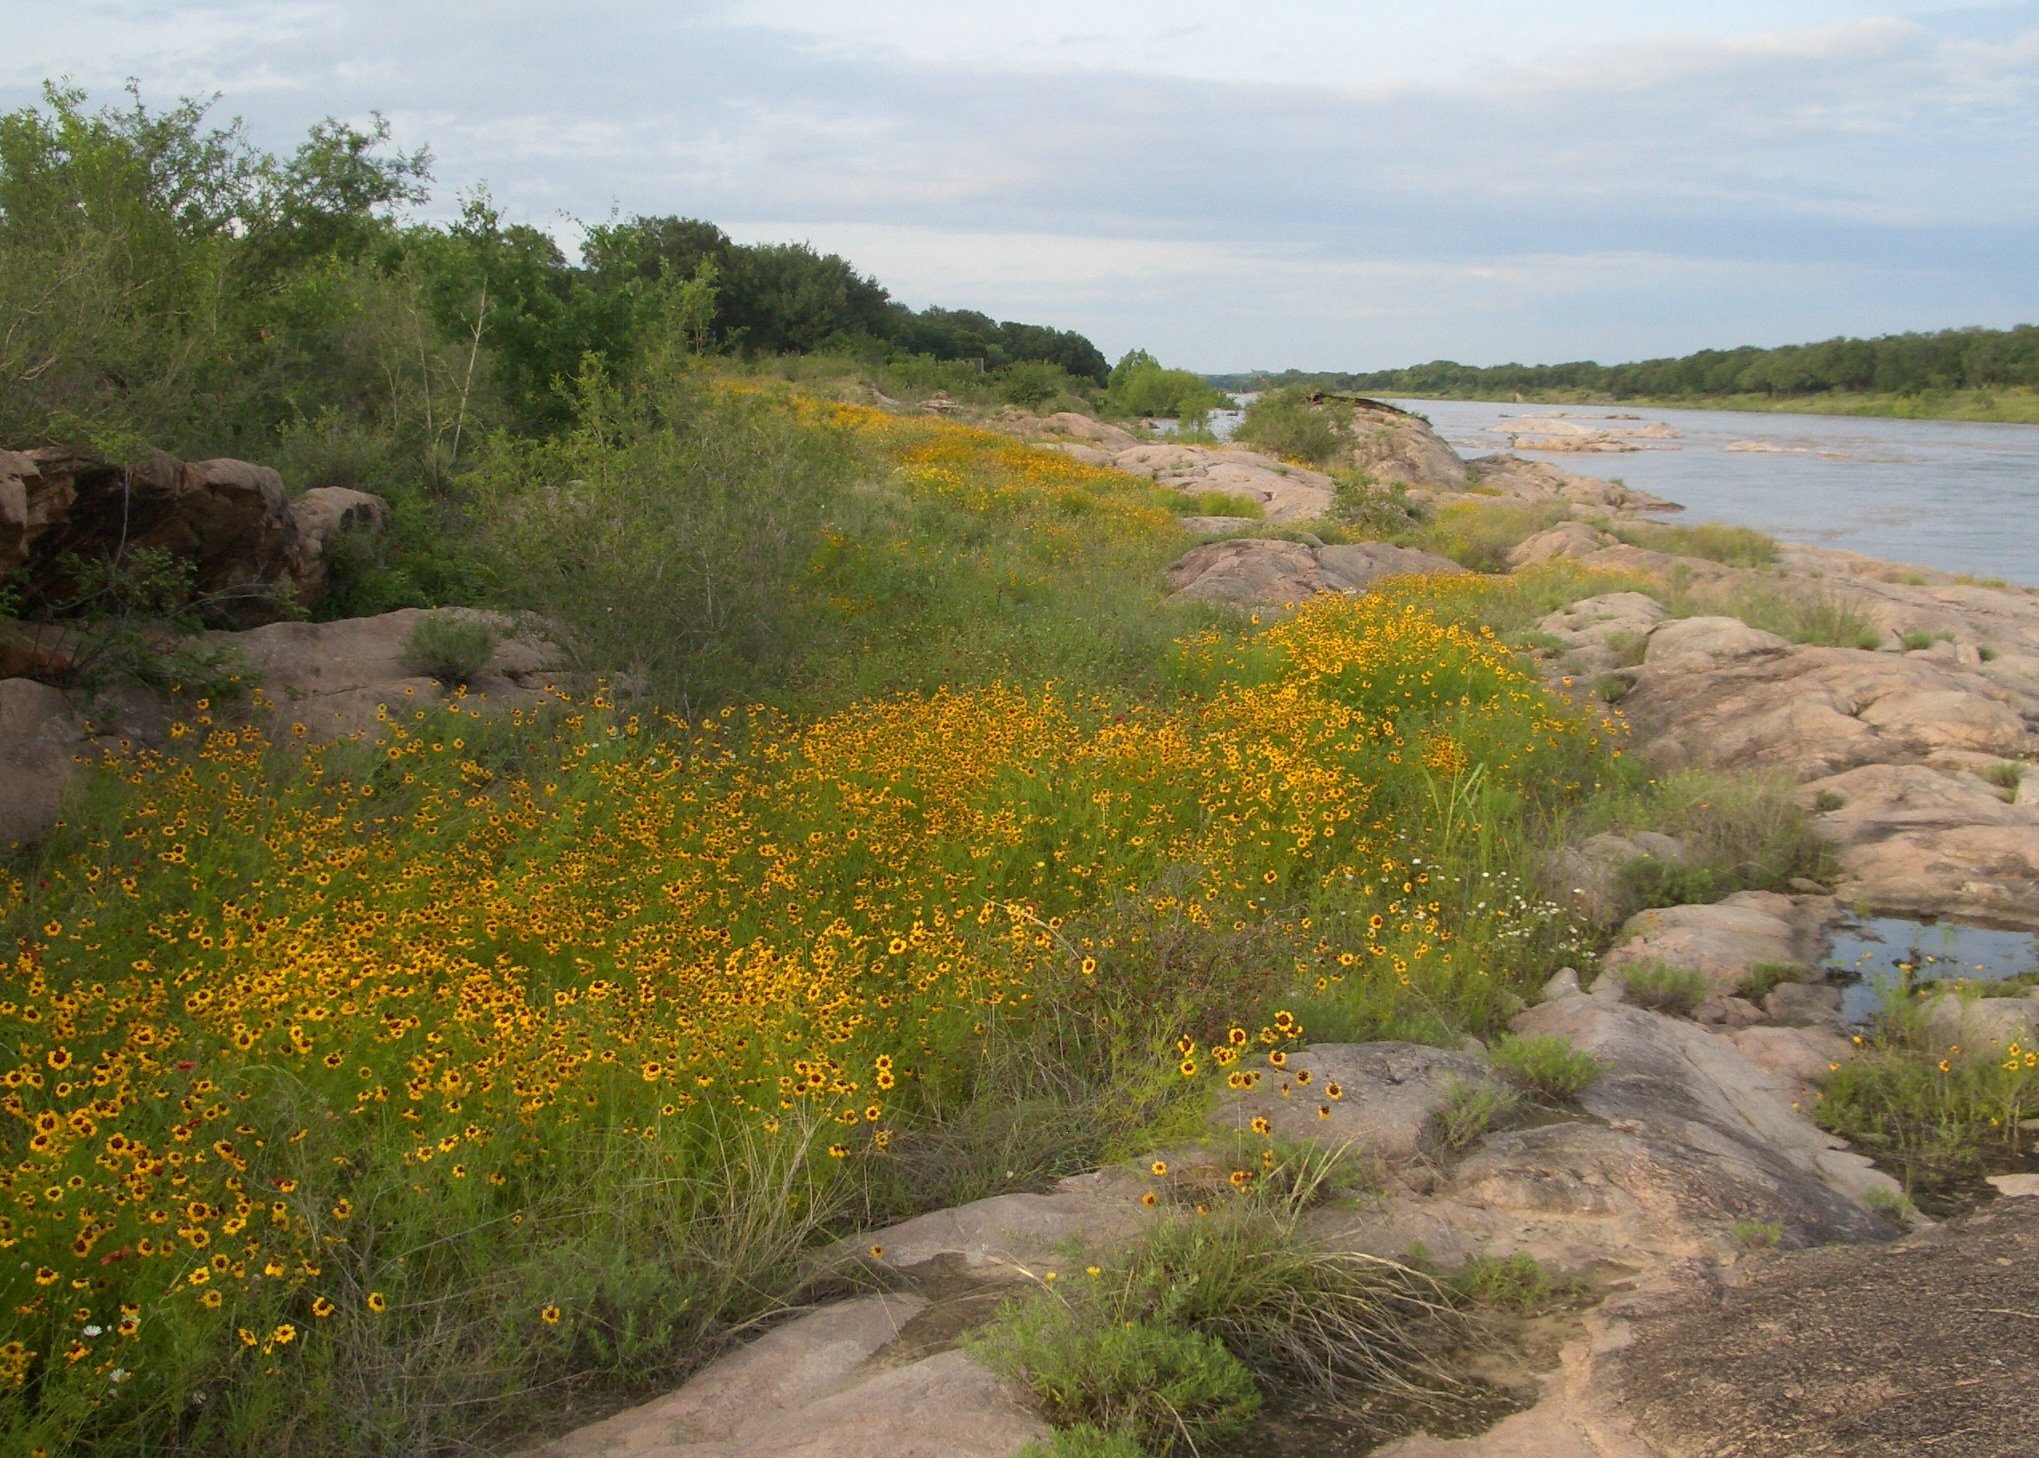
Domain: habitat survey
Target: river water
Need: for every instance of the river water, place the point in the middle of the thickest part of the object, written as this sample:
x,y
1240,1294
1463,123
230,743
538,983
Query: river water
x,y
1956,495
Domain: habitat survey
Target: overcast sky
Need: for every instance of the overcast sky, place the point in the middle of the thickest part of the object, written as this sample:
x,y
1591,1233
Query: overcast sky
x,y
1329,184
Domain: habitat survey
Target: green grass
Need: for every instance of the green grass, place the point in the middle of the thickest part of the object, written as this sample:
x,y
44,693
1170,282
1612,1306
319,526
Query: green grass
x,y
1545,1064
1713,541
1470,1110
1665,989
1480,535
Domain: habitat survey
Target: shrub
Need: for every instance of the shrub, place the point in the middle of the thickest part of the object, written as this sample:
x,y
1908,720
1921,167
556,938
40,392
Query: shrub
x,y
1156,1383
1480,535
1471,1109
1084,1441
2005,775
1284,423
1547,1064
1517,1283
1673,990
1765,977
451,647
1757,1234
1374,511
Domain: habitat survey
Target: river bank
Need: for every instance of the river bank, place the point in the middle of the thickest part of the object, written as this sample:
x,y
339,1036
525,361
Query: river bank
x,y
2013,406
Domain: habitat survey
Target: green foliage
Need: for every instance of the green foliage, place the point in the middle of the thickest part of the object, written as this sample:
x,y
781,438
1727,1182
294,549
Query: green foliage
x,y
1663,988
1373,511
1826,616
1757,1234
1169,1388
1714,541
694,510
1516,1283
1286,423
1546,1064
1479,535
1139,385
1904,366
452,647
1766,977
1084,1441
1471,1109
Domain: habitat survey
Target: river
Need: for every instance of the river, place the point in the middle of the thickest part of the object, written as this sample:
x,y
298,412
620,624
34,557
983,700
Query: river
x,y
1952,494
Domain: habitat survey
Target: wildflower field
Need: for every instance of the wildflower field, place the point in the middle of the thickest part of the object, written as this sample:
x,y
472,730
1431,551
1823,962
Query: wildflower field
x,y
374,1097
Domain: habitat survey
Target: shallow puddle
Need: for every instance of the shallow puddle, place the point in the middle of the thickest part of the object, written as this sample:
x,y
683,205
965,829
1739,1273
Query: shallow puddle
x,y
1872,955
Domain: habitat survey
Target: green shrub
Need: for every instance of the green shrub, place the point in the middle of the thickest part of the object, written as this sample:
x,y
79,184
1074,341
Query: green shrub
x,y
1517,1283
1757,1234
1471,1109
451,647
1766,977
2005,774
1480,535
1084,1441
1547,1064
1284,423
1374,511
1673,990
1161,1385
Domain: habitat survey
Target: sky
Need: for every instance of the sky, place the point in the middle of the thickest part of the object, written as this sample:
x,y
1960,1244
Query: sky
x,y
1324,184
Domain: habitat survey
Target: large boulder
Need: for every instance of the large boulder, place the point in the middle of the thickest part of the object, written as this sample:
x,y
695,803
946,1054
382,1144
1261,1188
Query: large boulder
x,y
249,555
38,737
1284,492
1394,446
1725,939
1526,480
1269,572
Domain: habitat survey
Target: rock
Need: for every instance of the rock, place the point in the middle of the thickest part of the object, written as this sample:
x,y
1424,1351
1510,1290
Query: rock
x,y
1270,572
229,520
1912,840
1355,566
1014,1237
1799,1058
1216,526
1699,644
1595,871
1980,1024
1554,433
1247,570
337,679
1563,983
1526,480
820,1387
1814,711
1804,1004
1388,1096
317,519
1566,539
38,737
1393,446
1726,939
2016,1186
1604,632
1285,492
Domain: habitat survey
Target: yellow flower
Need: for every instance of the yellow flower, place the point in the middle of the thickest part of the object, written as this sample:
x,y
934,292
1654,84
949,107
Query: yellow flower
x,y
1159,1167
549,1315
376,1302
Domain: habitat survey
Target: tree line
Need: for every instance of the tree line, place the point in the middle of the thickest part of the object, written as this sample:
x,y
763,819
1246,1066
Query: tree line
x,y
165,282
1893,364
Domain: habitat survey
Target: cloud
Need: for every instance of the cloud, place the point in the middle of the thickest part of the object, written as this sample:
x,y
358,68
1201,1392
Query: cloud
x,y
1419,174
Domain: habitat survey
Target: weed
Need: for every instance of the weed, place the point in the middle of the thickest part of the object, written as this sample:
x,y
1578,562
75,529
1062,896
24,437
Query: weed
x,y
1765,977
1666,989
1612,688
1545,1063
1217,503
1713,541
1470,1110
1375,511
1915,642
1084,1441
452,647
1757,1234
1827,801
1516,1283
1986,653
2005,775
1479,535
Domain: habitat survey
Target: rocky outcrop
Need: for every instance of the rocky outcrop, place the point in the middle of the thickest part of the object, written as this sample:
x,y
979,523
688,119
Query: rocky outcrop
x,y
1269,572
1725,940
251,552
1393,446
38,736
1525,480
1284,492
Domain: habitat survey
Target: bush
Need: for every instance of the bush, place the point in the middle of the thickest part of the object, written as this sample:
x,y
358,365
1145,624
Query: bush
x,y
1518,1284
1284,423
1547,1064
451,647
1157,1384
1471,1109
1373,511
1479,536
1673,990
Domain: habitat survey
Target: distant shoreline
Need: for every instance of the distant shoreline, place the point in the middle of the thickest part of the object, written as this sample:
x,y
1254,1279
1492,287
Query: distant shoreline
x,y
1993,407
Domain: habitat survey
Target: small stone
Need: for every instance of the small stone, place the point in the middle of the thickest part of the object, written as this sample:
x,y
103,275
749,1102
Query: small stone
x,y
2016,1186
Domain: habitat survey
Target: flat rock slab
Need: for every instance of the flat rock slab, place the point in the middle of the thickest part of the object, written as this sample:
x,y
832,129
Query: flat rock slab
x,y
821,1387
1013,1237
1387,1096
1725,939
1284,492
1913,839
1270,572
